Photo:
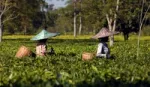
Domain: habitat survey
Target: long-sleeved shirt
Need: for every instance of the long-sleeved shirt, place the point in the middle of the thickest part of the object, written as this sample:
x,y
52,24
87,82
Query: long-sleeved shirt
x,y
103,50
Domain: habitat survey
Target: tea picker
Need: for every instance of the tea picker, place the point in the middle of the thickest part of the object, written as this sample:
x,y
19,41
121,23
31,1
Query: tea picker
x,y
103,50
41,38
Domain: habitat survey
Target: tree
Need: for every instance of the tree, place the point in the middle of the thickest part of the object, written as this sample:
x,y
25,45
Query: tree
x,y
128,17
92,16
122,15
27,10
64,21
142,18
5,6
75,14
29,16
111,15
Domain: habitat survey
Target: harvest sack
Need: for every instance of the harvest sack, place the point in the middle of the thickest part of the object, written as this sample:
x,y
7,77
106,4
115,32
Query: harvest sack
x,y
23,51
87,56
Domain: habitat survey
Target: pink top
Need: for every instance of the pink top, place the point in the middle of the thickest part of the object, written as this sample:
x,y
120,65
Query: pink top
x,y
41,49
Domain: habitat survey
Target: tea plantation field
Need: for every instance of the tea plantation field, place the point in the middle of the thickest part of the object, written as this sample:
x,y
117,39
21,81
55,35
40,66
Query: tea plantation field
x,y
66,68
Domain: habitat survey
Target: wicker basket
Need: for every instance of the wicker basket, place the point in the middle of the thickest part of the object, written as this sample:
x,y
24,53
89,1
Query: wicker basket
x,y
87,56
23,51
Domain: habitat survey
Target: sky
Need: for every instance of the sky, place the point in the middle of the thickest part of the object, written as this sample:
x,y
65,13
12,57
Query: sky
x,y
57,3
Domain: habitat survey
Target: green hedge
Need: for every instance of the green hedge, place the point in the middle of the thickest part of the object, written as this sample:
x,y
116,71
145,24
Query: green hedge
x,y
66,68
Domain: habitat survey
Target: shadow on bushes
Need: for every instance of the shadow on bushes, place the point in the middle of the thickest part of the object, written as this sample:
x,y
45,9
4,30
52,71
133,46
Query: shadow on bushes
x,y
113,83
66,54
96,83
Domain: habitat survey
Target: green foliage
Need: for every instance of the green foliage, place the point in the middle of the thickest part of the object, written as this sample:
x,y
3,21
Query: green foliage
x,y
27,16
64,21
67,69
146,31
30,16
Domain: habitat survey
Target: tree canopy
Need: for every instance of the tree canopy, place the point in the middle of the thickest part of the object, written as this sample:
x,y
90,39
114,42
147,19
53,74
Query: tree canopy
x,y
30,17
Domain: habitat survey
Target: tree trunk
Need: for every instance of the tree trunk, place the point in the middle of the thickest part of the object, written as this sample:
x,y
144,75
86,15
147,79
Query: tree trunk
x,y
75,30
112,23
75,17
25,30
111,38
0,29
80,27
126,37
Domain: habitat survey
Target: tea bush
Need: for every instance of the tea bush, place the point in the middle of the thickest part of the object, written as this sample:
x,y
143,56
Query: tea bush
x,y
66,68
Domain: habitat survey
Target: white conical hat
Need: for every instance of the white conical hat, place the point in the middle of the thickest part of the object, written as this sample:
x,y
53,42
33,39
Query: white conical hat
x,y
44,35
104,32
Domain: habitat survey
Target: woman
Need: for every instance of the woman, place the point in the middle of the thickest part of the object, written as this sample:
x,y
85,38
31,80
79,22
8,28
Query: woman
x,y
41,38
102,35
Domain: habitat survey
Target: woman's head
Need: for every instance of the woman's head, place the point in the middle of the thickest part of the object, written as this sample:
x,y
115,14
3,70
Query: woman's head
x,y
42,41
104,39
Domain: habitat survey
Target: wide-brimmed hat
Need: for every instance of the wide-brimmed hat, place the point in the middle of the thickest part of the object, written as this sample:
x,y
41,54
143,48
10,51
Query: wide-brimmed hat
x,y
44,35
104,32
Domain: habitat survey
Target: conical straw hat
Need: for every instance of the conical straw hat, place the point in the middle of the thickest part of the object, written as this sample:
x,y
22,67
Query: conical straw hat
x,y
44,35
104,32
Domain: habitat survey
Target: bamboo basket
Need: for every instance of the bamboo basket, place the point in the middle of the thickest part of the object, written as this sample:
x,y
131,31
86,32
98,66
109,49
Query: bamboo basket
x,y
23,51
87,56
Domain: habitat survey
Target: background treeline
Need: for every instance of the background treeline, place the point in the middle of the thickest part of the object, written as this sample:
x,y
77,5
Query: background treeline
x,y
32,15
